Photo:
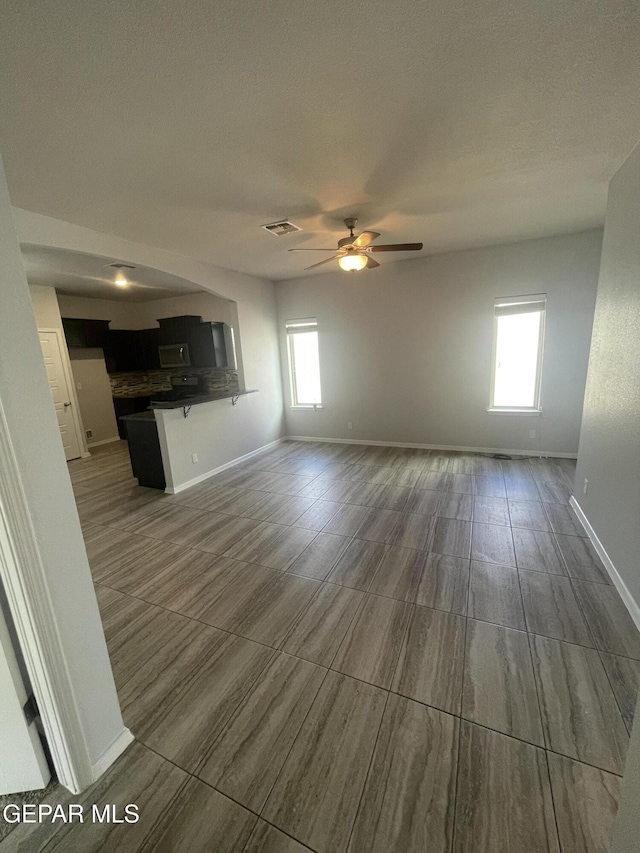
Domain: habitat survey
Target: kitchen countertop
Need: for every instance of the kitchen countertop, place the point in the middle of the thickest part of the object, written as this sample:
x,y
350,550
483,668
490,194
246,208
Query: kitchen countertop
x,y
201,398
139,416
186,402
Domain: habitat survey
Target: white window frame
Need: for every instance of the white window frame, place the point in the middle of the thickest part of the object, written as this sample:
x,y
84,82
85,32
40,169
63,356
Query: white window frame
x,y
293,327
515,301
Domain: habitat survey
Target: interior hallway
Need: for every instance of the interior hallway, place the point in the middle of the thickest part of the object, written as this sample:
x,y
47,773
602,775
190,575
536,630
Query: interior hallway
x,y
338,647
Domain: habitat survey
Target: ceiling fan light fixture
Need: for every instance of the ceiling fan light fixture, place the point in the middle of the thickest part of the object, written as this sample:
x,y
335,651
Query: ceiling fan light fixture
x,y
352,262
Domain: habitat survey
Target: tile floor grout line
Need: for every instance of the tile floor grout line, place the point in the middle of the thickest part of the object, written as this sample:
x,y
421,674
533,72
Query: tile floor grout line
x,y
236,713
290,750
600,653
615,695
300,613
105,583
366,778
533,669
553,799
163,819
464,654
200,622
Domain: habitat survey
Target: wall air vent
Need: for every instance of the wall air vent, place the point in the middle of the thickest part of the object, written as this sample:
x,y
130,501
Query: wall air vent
x,y
281,228
120,266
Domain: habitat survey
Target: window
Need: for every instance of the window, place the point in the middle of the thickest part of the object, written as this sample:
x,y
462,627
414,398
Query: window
x,y
518,335
304,364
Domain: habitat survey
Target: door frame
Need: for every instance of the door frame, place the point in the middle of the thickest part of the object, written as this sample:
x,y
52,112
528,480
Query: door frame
x,y
68,376
24,579
25,768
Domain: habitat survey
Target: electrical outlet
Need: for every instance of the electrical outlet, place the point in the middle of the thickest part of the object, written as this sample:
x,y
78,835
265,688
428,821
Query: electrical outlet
x,y
349,424
194,458
585,486
89,433
532,433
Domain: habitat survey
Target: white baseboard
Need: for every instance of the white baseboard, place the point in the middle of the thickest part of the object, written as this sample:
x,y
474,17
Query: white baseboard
x,y
620,585
124,739
460,448
174,490
103,441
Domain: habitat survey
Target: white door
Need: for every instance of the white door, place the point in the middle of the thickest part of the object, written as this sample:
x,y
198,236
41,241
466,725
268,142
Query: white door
x,y
60,391
23,766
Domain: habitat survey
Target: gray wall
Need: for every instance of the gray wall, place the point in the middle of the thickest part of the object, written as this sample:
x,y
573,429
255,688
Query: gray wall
x,y
35,437
143,315
47,314
609,455
405,350
93,390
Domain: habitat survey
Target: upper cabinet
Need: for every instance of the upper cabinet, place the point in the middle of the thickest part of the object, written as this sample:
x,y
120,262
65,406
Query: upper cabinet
x,y
85,333
177,330
209,344
127,350
130,350
212,346
147,342
121,353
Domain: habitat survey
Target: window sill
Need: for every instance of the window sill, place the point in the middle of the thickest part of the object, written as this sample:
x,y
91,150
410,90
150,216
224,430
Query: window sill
x,y
313,407
515,411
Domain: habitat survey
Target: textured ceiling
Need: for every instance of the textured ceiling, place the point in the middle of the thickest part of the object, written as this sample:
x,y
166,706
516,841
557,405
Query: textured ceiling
x,y
76,274
188,125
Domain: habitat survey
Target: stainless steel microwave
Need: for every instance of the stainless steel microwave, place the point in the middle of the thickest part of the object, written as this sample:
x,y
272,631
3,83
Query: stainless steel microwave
x,y
174,355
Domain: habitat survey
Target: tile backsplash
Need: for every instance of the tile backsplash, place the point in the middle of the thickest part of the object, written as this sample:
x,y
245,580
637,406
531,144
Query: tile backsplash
x,y
140,384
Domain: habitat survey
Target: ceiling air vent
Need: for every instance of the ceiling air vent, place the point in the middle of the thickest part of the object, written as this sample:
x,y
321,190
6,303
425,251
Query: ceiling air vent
x,y
120,266
281,228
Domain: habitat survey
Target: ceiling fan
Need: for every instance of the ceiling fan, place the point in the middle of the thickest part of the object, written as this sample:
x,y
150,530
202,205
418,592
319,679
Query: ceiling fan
x,y
354,253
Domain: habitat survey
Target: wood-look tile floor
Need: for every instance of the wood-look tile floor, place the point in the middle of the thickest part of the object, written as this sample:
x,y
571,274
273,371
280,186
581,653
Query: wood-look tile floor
x,y
366,649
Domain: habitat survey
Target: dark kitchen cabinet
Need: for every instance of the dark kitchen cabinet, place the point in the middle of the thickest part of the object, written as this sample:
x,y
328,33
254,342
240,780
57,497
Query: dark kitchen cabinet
x,y
131,350
147,342
211,345
144,450
177,330
121,354
128,406
85,333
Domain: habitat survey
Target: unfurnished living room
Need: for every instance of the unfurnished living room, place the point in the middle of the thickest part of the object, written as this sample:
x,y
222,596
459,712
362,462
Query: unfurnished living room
x,y
320,426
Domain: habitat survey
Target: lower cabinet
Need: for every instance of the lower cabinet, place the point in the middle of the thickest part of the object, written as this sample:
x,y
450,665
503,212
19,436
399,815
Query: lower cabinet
x,y
128,406
144,449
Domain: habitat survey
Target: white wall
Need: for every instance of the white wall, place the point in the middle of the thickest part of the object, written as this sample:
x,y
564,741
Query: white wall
x,y
123,315
33,429
239,429
143,315
45,307
47,314
93,390
609,455
405,350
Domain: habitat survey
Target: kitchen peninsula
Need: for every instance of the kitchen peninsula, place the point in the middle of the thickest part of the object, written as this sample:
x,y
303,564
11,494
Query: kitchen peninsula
x,y
158,442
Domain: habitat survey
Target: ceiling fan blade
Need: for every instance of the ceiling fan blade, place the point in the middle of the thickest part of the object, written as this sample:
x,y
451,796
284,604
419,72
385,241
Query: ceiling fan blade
x,y
371,263
313,250
396,247
326,261
364,239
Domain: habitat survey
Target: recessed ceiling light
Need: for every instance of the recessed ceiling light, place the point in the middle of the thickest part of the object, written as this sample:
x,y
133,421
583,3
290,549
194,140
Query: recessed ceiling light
x,y
120,280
